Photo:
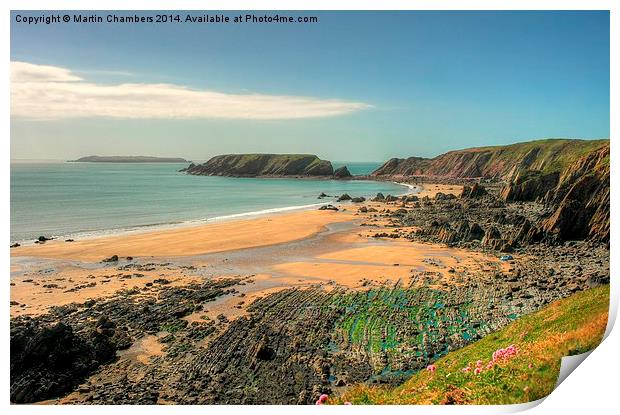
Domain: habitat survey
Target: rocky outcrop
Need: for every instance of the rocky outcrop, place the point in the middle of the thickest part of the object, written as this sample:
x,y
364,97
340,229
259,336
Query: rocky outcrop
x,y
578,197
473,192
256,165
529,185
48,361
342,172
582,200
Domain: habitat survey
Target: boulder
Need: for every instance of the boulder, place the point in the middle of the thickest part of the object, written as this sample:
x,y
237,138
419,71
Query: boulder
x,y
472,192
113,258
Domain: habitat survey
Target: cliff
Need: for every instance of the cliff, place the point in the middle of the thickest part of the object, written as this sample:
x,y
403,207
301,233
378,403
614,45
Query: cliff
x,y
499,162
570,177
256,165
129,159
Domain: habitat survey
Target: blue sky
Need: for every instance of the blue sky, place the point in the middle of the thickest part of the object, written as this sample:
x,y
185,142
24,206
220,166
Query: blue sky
x,y
401,84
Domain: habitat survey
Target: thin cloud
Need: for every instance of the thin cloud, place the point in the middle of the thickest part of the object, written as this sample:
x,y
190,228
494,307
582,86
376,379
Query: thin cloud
x,y
50,93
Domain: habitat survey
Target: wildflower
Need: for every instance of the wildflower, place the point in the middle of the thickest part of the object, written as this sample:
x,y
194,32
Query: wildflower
x,y
478,370
348,403
479,363
503,354
529,366
431,368
466,369
322,399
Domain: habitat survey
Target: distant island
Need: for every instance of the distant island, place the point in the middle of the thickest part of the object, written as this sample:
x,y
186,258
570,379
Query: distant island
x,y
267,165
128,159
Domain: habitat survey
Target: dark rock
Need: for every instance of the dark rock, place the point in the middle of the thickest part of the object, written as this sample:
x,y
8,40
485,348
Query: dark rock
x,y
113,258
48,361
342,172
472,192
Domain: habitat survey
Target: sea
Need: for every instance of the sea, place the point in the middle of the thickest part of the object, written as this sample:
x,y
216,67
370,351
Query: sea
x,y
83,200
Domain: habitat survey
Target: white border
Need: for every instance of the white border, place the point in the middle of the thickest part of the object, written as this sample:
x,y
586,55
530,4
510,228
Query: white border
x,y
591,389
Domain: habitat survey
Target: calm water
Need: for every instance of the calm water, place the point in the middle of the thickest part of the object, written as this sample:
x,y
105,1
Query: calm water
x,y
81,199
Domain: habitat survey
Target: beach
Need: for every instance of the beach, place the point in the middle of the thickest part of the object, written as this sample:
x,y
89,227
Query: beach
x,y
314,294
280,250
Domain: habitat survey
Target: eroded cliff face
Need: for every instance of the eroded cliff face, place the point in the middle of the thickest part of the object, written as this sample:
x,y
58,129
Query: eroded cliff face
x,y
253,165
581,199
570,177
500,162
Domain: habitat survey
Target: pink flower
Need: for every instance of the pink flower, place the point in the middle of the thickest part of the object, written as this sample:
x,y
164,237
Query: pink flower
x,y
466,369
503,354
348,403
323,398
478,370
431,368
529,366
479,363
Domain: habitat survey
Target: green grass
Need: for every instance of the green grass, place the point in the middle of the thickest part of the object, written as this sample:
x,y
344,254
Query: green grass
x,y
569,326
555,154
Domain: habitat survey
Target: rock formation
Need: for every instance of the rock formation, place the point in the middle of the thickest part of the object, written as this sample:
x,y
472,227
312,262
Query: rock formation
x,y
256,165
570,177
342,172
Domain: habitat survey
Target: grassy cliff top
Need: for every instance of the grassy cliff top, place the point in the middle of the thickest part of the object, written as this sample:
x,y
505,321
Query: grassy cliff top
x,y
257,164
554,154
546,156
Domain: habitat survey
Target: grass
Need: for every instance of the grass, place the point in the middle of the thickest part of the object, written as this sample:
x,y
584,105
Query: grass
x,y
566,327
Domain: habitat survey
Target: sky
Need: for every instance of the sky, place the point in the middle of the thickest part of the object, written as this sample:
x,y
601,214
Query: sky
x,y
356,86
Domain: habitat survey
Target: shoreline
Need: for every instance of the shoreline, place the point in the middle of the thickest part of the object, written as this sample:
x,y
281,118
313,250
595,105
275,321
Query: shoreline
x,y
193,223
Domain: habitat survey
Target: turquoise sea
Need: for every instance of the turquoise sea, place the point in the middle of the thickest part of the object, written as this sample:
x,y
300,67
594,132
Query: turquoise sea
x,y
87,199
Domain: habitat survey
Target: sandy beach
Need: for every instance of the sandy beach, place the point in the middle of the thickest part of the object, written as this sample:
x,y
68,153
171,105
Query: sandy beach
x,y
278,251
